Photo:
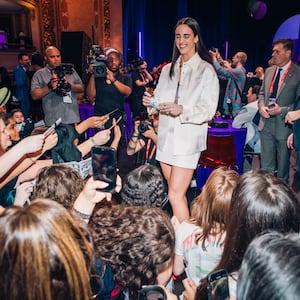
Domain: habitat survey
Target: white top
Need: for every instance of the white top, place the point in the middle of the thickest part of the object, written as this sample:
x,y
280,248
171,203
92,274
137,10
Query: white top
x,y
199,262
198,94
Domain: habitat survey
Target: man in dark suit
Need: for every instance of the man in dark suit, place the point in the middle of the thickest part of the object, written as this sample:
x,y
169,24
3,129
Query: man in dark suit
x,y
280,88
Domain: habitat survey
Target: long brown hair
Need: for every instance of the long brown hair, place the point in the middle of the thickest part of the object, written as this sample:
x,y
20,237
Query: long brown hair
x,y
45,253
260,202
200,47
211,209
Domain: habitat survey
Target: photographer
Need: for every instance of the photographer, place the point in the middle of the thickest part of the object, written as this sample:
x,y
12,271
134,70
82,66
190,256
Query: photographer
x,y
144,137
58,86
107,87
140,79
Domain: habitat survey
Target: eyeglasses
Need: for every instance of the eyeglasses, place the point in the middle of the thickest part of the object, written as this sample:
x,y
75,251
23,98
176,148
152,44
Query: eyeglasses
x,y
152,292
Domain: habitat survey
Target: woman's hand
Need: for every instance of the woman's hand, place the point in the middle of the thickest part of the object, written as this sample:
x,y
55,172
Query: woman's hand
x,y
263,110
171,108
23,192
117,130
190,289
50,141
290,141
150,133
32,144
102,137
292,116
92,190
147,97
97,121
136,127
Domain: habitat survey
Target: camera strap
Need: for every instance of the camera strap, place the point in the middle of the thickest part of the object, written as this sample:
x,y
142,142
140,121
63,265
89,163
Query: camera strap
x,y
148,158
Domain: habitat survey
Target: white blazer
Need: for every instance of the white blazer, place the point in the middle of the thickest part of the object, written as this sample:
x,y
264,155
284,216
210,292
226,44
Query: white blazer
x,y
198,94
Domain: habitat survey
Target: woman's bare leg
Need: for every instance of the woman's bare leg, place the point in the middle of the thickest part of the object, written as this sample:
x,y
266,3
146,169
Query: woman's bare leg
x,y
178,180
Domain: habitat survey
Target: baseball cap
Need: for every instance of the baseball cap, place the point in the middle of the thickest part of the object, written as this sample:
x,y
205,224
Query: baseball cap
x,y
110,50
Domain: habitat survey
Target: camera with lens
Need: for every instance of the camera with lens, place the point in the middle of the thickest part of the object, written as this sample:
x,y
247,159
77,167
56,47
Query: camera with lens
x,y
144,126
63,87
99,61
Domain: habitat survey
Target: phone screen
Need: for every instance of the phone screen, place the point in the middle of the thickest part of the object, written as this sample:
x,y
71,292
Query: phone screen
x,y
104,166
217,285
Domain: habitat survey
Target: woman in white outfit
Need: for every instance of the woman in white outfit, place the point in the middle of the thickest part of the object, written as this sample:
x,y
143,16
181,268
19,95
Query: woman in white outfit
x,y
186,96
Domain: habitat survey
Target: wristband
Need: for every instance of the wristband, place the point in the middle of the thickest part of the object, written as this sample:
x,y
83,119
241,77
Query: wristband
x,y
81,215
130,148
114,80
93,141
136,136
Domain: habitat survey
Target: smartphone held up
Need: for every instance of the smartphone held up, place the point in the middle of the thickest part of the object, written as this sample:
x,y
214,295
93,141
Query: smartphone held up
x,y
104,165
218,285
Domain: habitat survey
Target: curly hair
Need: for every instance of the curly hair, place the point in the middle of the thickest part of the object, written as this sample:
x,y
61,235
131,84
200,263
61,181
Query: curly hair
x,y
138,242
45,253
210,210
143,187
60,183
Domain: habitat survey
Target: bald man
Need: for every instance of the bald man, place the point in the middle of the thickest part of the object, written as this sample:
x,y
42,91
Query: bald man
x,y
45,85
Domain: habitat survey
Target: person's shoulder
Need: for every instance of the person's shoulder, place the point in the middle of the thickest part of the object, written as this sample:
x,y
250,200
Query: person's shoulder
x,y
295,68
186,226
17,68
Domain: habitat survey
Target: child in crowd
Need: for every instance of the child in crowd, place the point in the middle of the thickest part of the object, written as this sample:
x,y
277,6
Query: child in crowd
x,y
25,126
200,240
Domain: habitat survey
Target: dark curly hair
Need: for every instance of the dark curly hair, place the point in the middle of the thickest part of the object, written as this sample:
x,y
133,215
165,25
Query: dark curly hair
x,y
60,183
138,242
143,187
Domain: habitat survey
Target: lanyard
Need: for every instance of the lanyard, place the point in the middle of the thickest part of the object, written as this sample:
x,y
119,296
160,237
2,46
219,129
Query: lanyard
x,y
282,77
148,158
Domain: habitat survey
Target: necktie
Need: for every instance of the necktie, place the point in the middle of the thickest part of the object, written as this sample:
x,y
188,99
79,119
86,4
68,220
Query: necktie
x,y
276,82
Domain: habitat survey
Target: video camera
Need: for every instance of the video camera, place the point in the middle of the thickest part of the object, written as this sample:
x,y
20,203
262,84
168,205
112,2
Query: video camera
x,y
62,85
99,60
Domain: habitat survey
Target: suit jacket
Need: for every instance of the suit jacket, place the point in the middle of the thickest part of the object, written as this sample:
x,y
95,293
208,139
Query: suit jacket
x,y
289,91
198,93
22,88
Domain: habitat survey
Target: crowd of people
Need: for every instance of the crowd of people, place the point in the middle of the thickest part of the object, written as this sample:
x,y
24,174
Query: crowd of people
x,y
64,231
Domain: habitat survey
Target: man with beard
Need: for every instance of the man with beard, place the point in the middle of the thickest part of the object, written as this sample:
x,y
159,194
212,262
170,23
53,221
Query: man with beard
x,y
108,92
235,74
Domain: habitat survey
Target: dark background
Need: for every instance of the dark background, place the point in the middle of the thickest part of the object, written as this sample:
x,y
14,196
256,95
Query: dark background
x,y
219,20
